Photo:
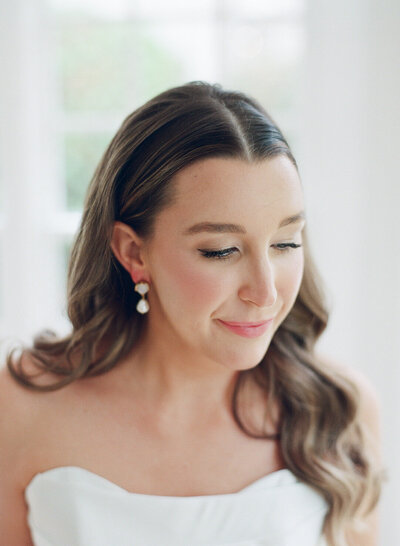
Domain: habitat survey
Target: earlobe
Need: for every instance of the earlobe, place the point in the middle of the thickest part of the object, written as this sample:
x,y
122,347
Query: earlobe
x,y
126,247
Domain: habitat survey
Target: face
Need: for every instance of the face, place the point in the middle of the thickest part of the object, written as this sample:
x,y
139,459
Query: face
x,y
247,272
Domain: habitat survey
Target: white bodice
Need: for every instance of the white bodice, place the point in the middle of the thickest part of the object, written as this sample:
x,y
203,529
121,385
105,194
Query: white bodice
x,y
71,506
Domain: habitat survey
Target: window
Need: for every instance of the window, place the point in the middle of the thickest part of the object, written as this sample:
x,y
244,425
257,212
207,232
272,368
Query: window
x,y
96,62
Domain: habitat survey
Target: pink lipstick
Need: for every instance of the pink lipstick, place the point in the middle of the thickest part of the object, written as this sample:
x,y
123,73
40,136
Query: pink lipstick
x,y
247,329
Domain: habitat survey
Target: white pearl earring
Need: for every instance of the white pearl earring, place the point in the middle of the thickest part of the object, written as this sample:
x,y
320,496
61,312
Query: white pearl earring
x,y
143,305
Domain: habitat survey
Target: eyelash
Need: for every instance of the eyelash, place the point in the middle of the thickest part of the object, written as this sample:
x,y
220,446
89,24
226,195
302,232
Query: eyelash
x,y
226,253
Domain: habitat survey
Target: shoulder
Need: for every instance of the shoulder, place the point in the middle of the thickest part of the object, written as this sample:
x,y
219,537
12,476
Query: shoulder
x,y
369,403
23,411
364,385
361,380
29,424
15,399
18,415
369,417
19,410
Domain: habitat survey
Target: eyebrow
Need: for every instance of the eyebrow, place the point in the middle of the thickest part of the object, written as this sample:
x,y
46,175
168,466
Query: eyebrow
x,y
212,227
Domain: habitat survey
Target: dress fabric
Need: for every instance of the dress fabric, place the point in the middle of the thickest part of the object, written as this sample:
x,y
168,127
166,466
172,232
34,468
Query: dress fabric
x,y
71,506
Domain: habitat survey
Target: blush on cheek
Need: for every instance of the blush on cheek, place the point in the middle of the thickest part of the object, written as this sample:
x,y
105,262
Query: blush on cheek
x,y
202,288
184,283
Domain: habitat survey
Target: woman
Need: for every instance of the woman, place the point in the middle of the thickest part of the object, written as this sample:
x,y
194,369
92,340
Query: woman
x,y
188,406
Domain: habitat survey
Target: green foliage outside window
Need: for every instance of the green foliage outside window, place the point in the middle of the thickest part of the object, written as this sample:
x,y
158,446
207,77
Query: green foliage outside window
x,y
112,65
83,151
106,68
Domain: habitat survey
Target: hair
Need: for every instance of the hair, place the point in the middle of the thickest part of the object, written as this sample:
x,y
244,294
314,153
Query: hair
x,y
321,434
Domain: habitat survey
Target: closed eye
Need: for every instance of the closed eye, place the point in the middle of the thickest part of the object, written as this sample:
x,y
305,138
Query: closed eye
x,y
220,254
226,253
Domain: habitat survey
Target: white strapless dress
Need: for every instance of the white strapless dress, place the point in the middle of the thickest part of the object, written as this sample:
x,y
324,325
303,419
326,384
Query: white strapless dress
x,y
71,506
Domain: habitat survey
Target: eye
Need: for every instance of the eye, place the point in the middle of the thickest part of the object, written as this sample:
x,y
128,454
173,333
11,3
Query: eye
x,y
286,247
226,253
223,254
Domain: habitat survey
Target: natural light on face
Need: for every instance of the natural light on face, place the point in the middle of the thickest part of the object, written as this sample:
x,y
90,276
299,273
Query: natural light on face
x,y
249,272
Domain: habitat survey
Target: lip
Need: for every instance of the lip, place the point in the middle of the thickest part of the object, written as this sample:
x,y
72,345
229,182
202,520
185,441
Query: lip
x,y
246,324
247,329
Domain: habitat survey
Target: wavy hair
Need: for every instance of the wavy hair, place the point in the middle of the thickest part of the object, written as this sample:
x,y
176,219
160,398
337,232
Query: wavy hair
x,y
320,431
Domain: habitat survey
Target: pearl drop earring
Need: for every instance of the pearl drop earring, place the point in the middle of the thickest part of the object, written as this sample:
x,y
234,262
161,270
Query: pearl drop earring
x,y
143,305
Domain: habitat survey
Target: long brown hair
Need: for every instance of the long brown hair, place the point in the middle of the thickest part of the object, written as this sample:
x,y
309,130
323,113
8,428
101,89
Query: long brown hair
x,y
321,436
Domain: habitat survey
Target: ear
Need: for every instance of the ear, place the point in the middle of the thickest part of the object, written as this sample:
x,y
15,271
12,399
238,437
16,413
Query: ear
x,y
127,247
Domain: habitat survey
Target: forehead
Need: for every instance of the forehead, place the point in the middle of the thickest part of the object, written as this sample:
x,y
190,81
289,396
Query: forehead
x,y
226,189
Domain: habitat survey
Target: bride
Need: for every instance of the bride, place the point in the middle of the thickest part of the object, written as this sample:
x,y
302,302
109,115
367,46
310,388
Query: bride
x,y
189,405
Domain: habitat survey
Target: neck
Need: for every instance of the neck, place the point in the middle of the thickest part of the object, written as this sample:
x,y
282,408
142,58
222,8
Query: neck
x,y
175,383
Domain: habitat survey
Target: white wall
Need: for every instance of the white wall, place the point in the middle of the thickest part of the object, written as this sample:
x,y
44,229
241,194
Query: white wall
x,y
350,166
28,170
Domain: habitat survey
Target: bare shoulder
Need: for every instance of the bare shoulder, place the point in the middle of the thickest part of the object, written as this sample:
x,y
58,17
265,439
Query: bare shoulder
x,y
19,398
27,418
17,422
15,399
369,398
369,402
370,419
22,410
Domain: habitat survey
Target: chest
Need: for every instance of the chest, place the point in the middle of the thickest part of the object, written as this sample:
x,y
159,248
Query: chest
x,y
118,442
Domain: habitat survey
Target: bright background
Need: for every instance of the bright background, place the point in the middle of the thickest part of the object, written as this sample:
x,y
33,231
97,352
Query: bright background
x,y
328,72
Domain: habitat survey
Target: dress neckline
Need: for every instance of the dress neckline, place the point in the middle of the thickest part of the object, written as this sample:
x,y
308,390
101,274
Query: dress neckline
x,y
277,477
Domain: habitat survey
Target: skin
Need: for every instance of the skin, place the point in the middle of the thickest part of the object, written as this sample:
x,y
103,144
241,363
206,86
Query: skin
x,y
187,362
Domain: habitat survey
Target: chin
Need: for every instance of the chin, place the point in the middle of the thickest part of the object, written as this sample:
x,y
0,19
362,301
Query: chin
x,y
245,360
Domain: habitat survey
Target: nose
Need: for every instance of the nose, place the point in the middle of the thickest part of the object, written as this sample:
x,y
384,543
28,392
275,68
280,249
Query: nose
x,y
259,286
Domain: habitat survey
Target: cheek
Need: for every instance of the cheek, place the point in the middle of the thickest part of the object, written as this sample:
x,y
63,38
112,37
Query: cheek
x,y
185,282
290,278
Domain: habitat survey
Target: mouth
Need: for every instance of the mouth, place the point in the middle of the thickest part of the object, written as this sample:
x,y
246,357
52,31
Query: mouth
x,y
247,324
247,329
